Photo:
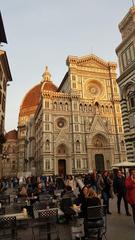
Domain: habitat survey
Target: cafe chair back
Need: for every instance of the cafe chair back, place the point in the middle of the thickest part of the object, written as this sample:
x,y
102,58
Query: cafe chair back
x,y
8,228
96,222
48,219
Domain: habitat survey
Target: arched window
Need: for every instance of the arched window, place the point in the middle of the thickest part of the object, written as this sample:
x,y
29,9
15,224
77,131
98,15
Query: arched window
x,y
111,109
80,107
90,108
85,108
47,145
61,107
97,107
102,109
96,104
66,106
55,105
77,146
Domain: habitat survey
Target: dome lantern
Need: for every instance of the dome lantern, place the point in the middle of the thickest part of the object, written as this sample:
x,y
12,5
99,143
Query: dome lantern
x,y
46,75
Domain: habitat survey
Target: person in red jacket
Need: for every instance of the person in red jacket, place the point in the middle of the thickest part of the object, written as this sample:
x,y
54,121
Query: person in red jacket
x,y
130,186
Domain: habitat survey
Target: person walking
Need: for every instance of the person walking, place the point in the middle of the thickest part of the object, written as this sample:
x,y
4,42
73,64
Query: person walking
x,y
120,191
107,189
130,186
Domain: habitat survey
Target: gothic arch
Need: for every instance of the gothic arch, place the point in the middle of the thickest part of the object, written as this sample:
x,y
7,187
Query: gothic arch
x,y
77,146
61,106
66,106
62,149
85,108
47,145
80,107
55,105
99,140
125,89
90,108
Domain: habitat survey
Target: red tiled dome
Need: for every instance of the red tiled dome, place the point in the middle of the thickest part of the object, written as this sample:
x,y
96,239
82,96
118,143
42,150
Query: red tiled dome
x,y
49,86
32,97
30,101
11,135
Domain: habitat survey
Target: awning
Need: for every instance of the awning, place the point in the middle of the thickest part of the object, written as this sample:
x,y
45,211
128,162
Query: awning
x,y
125,164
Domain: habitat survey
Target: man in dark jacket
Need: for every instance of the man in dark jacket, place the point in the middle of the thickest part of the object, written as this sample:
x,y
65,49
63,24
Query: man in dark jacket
x,y
120,191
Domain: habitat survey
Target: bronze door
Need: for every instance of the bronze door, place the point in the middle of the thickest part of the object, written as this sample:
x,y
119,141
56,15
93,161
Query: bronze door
x,y
62,167
99,162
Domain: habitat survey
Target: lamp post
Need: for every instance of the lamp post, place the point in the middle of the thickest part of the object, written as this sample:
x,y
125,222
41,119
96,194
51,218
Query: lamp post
x,y
5,158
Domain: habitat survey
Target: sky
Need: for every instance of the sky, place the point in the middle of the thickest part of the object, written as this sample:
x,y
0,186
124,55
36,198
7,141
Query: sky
x,y
45,32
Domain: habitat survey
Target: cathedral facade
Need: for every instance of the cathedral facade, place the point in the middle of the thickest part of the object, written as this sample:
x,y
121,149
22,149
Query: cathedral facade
x,y
76,127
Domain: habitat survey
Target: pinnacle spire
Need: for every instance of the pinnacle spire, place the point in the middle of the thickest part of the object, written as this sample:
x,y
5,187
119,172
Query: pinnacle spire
x,y
46,75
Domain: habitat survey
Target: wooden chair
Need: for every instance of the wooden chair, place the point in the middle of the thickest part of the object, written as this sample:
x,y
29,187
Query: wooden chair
x,y
8,228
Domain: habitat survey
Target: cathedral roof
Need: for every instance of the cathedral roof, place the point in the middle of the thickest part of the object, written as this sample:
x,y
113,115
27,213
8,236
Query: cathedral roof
x,y
32,97
11,135
30,101
47,84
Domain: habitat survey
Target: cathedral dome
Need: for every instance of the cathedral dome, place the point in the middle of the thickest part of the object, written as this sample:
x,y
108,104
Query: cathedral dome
x,y
32,97
11,135
47,84
31,100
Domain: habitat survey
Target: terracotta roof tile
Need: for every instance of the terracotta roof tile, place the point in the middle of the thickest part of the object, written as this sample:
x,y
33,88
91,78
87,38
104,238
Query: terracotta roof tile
x,y
11,135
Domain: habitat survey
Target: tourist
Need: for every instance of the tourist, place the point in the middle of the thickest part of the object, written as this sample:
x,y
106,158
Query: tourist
x,y
120,191
130,186
70,182
107,189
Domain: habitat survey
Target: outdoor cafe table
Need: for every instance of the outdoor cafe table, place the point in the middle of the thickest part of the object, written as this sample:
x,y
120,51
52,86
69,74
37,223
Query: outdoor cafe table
x,y
19,216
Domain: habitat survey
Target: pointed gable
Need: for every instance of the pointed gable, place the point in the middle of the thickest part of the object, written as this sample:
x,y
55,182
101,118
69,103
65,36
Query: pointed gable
x,y
89,61
98,125
62,137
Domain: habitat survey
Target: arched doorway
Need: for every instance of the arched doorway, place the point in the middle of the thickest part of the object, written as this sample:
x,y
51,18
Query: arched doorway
x,y
62,154
62,167
99,162
101,151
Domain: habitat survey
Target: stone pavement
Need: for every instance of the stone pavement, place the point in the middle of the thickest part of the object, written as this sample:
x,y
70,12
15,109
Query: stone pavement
x,y
119,226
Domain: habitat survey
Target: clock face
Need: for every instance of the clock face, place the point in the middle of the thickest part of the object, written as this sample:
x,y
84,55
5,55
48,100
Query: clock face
x,y
94,88
61,122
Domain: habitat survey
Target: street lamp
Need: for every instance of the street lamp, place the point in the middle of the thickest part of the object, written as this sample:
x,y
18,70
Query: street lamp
x,y
5,157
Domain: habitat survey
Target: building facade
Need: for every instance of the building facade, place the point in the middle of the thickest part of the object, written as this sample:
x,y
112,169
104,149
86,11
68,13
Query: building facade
x,y
126,80
78,127
5,77
26,114
10,154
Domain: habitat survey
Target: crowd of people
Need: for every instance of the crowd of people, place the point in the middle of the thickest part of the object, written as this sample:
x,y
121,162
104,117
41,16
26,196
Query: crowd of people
x,y
91,189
